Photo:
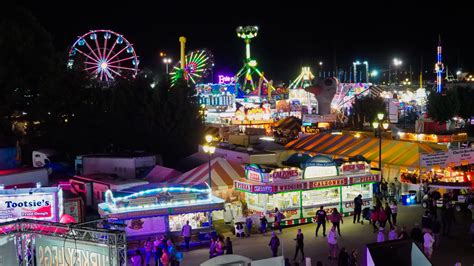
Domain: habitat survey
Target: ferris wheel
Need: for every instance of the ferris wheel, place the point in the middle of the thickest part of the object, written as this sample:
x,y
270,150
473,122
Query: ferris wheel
x,y
104,54
198,64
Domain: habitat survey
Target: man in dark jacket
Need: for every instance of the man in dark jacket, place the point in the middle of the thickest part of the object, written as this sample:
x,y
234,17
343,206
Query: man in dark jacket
x,y
299,244
417,235
358,208
321,219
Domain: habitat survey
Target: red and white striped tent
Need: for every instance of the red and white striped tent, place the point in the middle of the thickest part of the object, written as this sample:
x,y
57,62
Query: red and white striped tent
x,y
161,174
223,174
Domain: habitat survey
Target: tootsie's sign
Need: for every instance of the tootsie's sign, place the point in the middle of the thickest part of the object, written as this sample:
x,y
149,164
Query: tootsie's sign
x,y
39,206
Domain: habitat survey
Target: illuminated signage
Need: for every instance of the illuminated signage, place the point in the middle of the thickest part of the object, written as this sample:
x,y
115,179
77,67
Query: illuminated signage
x,y
363,179
329,183
285,174
253,176
352,168
295,186
37,206
226,79
242,186
263,189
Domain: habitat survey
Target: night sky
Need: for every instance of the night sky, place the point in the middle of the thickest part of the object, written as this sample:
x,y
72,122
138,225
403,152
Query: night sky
x,y
290,36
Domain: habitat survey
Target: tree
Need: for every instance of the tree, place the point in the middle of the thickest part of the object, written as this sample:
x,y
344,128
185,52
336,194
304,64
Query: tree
x,y
365,109
443,107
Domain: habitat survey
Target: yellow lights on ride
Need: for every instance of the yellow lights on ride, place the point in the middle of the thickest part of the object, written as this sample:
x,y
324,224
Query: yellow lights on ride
x,y
252,63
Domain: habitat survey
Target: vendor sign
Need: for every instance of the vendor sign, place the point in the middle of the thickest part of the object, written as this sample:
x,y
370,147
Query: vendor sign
x,y
355,168
364,179
329,182
443,159
286,174
23,205
319,166
255,173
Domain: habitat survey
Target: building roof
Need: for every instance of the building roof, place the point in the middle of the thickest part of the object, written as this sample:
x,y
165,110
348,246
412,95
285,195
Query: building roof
x,y
223,173
162,174
394,152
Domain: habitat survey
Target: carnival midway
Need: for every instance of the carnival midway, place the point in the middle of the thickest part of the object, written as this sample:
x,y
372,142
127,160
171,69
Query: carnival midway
x,y
279,161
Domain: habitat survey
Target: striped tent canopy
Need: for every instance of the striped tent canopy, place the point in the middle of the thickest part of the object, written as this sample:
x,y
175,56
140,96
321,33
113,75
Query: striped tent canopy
x,y
399,153
289,123
161,174
223,173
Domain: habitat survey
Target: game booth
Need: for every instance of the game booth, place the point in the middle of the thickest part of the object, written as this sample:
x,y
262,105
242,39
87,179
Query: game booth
x,y
161,210
298,193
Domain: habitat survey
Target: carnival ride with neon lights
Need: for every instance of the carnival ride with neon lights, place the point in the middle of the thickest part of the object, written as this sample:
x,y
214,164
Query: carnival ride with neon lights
x,y
193,67
250,64
104,59
439,68
304,80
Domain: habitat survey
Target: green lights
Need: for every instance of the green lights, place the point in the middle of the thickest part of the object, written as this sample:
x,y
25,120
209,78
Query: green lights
x,y
252,63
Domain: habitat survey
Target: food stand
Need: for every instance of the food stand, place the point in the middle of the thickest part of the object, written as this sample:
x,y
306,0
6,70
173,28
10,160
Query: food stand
x,y
162,209
298,193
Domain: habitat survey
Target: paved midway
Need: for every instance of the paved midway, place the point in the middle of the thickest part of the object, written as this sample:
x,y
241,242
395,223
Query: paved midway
x,y
354,236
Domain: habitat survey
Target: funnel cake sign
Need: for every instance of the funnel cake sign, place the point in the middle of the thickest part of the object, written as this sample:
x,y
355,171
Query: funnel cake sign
x,y
39,206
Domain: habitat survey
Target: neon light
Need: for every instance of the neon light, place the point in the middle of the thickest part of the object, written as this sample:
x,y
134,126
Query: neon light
x,y
226,79
439,67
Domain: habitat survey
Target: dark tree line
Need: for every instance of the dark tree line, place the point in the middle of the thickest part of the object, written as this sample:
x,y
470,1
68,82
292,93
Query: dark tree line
x,y
458,101
68,110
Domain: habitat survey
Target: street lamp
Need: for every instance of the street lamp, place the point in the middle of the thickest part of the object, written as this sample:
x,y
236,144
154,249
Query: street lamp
x,y
356,63
366,71
380,125
209,149
167,61
396,63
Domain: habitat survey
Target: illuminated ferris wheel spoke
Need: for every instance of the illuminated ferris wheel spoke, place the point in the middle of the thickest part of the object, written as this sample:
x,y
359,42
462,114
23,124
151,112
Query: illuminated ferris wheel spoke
x,y
124,59
115,55
110,51
98,48
108,70
105,48
92,51
88,56
120,67
101,74
92,67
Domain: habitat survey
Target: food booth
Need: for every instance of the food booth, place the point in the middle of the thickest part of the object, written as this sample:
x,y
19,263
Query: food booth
x,y
161,209
298,193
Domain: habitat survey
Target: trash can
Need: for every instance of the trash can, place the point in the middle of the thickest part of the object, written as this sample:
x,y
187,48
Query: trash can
x,y
405,199
413,196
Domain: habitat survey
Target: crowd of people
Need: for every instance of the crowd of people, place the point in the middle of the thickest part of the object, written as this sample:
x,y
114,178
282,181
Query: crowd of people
x,y
162,250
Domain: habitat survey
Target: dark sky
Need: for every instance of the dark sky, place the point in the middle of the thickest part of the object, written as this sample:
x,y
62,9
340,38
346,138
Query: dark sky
x,y
291,35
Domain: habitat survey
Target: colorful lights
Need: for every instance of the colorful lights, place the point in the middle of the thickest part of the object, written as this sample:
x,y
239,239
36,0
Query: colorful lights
x,y
106,61
303,80
198,65
439,67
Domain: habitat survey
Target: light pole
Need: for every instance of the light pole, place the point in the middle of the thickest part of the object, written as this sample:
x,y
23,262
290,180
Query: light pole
x,y
209,149
366,71
167,61
397,63
320,68
355,64
378,125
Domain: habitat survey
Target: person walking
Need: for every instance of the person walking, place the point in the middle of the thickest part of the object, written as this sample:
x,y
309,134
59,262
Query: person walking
x,y
403,234
426,220
274,244
186,233
212,248
336,219
384,188
172,253
447,216
374,217
358,208
278,219
157,248
388,213
381,235
136,259
332,242
299,245
394,209
417,234
219,247
436,230
148,250
228,246
263,224
392,235
382,217
398,188
343,259
249,223
321,220
165,258
428,241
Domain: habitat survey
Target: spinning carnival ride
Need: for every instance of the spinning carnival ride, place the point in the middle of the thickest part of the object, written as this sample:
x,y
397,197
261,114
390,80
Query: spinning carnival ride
x,y
193,67
304,80
250,65
105,54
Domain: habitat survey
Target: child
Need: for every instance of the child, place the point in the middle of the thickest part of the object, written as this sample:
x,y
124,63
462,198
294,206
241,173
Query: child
x,y
332,242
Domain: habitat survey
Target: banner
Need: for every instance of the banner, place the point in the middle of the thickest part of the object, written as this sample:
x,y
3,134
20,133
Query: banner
x,y
443,159
39,206
55,251
8,251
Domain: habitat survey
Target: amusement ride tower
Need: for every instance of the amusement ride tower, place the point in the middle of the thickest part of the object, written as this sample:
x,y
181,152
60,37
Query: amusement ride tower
x,y
439,67
250,65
